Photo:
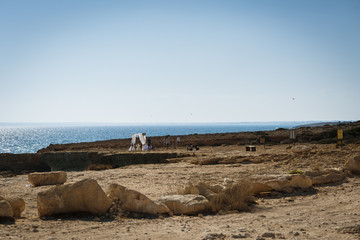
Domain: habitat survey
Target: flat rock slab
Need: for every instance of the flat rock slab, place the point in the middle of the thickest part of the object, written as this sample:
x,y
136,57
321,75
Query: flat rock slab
x,y
47,178
185,204
281,182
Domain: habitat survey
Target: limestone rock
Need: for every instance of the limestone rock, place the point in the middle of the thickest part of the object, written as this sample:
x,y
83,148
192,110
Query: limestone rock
x,y
283,182
6,210
259,187
17,205
326,176
47,178
133,201
353,163
300,149
82,196
185,204
208,191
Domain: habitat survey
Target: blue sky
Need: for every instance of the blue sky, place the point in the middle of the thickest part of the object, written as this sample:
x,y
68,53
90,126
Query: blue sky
x,y
179,61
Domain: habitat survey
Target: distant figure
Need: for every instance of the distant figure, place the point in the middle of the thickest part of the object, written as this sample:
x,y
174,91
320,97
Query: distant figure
x,y
177,141
166,141
149,144
138,147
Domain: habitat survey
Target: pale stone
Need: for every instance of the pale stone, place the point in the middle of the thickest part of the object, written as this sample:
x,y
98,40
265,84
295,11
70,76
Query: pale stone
x,y
282,182
47,178
17,204
185,204
82,196
326,176
300,149
6,209
353,163
133,201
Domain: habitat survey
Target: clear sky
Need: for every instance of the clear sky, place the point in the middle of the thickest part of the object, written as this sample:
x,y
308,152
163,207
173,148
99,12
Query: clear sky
x,y
179,61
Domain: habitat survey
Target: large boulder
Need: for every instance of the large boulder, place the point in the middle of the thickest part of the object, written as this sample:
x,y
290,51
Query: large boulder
x,y
82,196
326,176
133,201
6,210
353,163
185,204
47,178
282,182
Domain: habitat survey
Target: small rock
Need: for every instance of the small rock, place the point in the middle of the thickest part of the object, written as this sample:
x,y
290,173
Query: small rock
x,y
268,235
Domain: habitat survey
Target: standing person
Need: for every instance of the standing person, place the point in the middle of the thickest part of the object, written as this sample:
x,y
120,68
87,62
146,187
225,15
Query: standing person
x,y
177,141
174,143
149,143
166,141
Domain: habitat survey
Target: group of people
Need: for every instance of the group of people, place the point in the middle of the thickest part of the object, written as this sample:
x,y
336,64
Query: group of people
x,y
145,143
168,142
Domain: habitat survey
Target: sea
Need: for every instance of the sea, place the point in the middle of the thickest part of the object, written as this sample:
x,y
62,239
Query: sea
x,y
30,137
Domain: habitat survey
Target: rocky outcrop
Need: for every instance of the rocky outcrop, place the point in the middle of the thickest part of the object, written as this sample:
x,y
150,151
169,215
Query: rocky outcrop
x,y
47,178
82,196
18,163
353,163
326,176
68,161
6,210
133,201
185,204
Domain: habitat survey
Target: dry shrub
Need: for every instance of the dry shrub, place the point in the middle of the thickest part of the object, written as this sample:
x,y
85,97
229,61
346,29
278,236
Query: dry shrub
x,y
236,195
98,167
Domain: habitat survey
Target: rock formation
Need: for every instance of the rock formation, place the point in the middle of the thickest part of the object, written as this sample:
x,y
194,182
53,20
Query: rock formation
x,y
353,163
326,176
47,178
17,205
82,196
281,182
185,204
6,210
133,201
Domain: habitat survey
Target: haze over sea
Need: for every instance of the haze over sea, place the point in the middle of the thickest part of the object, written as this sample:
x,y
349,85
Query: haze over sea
x,y
29,138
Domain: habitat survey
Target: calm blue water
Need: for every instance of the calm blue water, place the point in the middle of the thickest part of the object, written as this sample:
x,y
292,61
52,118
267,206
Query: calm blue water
x,y
29,139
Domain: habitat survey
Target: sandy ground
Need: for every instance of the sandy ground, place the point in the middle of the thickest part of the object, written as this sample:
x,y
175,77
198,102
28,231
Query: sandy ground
x,y
330,211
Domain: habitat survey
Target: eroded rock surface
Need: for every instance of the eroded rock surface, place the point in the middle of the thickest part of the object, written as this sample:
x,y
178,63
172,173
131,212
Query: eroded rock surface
x,y
82,196
47,178
133,201
185,204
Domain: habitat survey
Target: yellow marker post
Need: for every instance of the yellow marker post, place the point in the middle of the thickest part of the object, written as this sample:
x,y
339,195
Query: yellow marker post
x,y
340,137
340,134
262,141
